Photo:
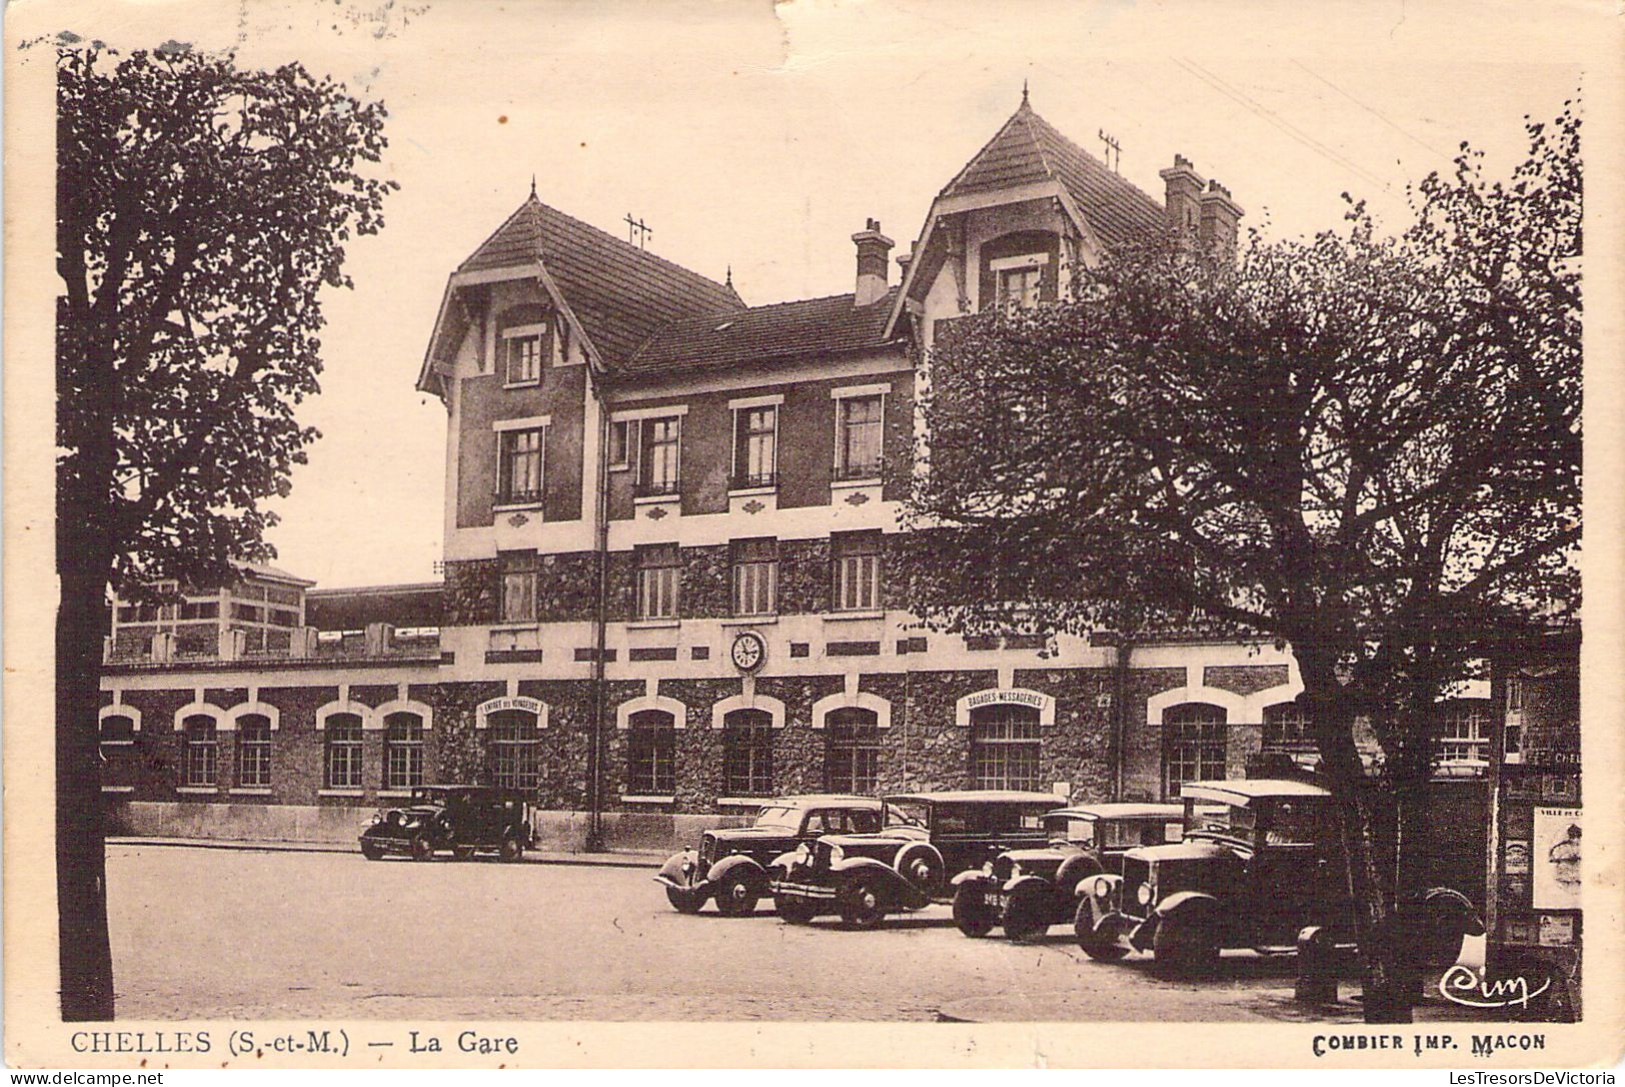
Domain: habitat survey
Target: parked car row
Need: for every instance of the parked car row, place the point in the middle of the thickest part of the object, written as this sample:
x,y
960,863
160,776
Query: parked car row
x,y
1237,864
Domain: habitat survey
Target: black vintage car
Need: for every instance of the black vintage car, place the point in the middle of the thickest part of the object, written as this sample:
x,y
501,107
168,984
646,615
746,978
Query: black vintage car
x,y
928,839
458,819
730,865
1028,890
1259,861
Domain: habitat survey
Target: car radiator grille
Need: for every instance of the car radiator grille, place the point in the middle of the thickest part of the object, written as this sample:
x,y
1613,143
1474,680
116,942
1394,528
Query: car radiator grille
x,y
1135,872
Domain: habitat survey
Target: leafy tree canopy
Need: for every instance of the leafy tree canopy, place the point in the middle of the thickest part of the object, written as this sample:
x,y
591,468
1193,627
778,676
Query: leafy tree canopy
x,y
1368,447
202,209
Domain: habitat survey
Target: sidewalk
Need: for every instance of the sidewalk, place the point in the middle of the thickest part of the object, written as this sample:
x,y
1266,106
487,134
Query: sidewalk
x,y
618,859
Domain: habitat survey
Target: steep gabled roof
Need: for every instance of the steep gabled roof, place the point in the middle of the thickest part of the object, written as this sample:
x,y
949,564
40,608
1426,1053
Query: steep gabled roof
x,y
1029,149
809,328
619,293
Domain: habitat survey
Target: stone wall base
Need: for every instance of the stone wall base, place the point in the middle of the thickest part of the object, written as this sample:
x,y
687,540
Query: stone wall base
x,y
556,831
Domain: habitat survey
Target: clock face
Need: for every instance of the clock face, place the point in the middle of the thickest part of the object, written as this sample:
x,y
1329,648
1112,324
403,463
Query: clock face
x,y
748,651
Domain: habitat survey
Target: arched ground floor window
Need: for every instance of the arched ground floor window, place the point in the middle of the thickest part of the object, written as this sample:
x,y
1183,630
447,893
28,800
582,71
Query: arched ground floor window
x,y
747,753
1193,745
514,749
851,751
651,754
1005,746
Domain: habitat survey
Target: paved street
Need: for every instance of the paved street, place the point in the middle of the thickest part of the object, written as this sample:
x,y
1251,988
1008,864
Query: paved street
x,y
244,933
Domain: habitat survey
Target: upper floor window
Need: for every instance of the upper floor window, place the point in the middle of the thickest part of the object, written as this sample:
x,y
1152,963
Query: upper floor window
x,y
201,754
1019,281
522,354
856,561
857,437
519,468
755,576
756,445
622,441
658,460
518,586
1466,733
659,581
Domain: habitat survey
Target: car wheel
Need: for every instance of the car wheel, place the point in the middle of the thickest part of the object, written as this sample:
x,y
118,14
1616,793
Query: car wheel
x,y
684,901
797,913
1185,948
422,848
737,894
972,914
920,868
1099,944
860,904
372,852
1026,914
511,849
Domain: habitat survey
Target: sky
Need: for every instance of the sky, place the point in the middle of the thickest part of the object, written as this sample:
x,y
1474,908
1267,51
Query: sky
x,y
759,137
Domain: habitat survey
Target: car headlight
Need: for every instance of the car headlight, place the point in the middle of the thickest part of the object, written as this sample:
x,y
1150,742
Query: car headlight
x,y
836,854
1015,870
1143,894
1103,888
375,820
688,866
987,867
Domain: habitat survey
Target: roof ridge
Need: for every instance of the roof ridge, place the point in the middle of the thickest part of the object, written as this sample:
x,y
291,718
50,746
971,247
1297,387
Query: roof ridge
x,y
980,151
491,237
1033,135
1070,144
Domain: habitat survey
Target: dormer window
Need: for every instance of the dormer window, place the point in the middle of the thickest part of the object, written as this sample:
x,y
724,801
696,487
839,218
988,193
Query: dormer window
x,y
522,354
1019,280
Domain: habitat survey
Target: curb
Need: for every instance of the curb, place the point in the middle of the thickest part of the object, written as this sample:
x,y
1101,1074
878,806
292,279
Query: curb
x,y
583,860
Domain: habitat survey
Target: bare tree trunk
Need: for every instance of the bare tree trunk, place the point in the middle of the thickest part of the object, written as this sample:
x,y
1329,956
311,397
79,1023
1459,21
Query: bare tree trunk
x,y
1386,993
85,958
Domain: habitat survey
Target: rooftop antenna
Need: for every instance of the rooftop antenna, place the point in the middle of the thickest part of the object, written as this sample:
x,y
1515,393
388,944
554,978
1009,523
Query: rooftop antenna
x,y
1114,152
638,231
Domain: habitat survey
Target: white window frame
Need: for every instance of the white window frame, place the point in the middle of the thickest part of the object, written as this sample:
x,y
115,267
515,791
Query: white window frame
x,y
538,423
644,441
753,403
856,392
1020,263
537,332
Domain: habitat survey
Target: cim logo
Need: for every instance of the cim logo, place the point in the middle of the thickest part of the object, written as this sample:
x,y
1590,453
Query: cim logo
x,y
1467,986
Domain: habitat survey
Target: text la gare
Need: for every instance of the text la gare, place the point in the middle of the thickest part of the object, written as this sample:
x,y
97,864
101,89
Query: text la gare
x,y
468,1041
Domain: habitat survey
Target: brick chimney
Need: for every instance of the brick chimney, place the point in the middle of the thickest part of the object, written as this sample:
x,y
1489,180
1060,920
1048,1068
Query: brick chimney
x,y
1183,195
1219,216
873,250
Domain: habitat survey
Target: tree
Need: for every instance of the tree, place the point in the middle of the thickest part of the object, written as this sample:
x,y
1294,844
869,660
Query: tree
x,y
1367,448
201,211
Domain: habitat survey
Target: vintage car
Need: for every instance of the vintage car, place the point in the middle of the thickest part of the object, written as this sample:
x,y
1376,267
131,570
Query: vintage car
x,y
458,819
730,864
1259,861
928,838
1028,890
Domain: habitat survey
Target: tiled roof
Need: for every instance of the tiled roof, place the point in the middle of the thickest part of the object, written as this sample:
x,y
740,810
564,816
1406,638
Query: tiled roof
x,y
621,294
808,328
1028,148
